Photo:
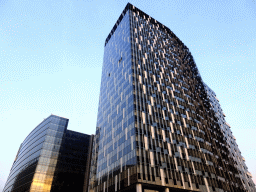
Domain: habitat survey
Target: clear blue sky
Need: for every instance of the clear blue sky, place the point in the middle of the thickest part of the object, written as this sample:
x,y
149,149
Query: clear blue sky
x,y
51,53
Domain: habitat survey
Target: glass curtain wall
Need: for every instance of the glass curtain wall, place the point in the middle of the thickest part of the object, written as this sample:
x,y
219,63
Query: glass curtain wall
x,y
36,160
115,141
156,129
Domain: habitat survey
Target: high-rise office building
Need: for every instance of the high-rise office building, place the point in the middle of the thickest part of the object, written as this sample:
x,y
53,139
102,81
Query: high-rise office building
x,y
51,159
156,128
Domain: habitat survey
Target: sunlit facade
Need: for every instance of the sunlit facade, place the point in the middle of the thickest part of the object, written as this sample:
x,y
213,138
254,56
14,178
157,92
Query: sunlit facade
x,y
156,130
51,159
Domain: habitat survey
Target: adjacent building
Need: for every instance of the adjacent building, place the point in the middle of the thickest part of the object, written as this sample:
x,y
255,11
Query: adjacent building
x,y
156,127
51,159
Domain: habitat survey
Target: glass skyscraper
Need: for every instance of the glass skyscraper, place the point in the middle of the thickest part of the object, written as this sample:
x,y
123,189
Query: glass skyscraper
x,y
51,159
156,128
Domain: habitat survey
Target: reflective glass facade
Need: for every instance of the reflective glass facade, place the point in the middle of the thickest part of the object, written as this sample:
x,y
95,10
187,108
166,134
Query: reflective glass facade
x,y
156,130
71,171
115,138
42,156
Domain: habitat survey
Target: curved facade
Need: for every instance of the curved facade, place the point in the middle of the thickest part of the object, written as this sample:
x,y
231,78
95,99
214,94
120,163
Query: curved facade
x,y
50,159
36,159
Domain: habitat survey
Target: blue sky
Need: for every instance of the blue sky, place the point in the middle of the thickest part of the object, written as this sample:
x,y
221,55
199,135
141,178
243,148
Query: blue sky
x,y
51,53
